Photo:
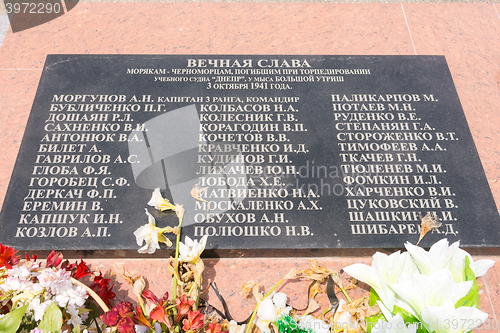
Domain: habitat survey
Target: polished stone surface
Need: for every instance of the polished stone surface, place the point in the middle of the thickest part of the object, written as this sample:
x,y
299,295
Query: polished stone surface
x,y
290,152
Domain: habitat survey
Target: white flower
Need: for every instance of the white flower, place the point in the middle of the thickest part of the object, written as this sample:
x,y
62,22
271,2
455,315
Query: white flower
x,y
315,325
420,291
39,308
75,318
19,280
144,329
147,233
235,328
395,325
451,320
54,281
279,299
383,271
441,255
191,250
158,202
270,309
71,295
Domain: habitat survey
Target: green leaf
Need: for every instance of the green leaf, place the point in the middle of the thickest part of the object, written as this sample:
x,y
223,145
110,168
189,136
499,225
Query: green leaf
x,y
373,297
76,329
472,297
409,319
12,320
52,319
372,321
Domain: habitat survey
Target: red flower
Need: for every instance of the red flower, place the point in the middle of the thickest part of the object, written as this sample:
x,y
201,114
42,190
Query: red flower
x,y
148,294
124,309
8,257
33,256
213,328
120,316
54,259
193,321
140,318
183,306
102,289
126,325
159,313
110,318
81,270
164,299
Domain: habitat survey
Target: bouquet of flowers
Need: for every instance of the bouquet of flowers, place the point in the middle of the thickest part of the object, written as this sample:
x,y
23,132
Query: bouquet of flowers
x,y
415,291
428,291
48,297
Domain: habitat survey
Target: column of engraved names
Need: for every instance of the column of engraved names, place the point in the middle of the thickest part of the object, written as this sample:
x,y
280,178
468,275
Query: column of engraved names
x,y
383,143
73,178
245,152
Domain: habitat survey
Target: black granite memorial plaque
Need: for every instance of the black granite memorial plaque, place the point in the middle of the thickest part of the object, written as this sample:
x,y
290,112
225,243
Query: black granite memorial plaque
x,y
293,152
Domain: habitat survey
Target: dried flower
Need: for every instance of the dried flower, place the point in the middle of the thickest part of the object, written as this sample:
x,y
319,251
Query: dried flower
x,y
179,211
196,190
429,222
316,272
292,274
139,285
251,288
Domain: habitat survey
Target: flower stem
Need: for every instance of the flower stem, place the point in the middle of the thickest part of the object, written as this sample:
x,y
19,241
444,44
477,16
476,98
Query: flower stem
x,y
250,323
176,264
345,294
97,325
194,285
176,270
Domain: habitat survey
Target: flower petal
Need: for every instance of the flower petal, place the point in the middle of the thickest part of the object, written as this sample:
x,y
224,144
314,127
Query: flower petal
x,y
480,267
439,318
